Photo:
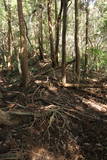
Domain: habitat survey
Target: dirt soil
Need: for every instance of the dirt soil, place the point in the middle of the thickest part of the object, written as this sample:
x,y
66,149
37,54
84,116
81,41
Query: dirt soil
x,y
52,122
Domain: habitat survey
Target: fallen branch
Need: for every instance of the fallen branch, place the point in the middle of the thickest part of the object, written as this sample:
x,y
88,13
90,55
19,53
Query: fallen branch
x,y
70,85
15,117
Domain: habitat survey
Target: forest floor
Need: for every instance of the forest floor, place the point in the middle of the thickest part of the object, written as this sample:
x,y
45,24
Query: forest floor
x,y
52,122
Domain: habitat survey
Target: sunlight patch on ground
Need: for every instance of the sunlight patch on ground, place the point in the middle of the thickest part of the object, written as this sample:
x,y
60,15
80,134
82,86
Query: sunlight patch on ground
x,y
43,154
1,81
50,107
47,83
40,81
96,105
94,80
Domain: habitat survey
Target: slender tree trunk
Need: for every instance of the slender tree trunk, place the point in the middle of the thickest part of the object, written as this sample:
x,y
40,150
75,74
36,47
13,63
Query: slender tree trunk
x,y
9,37
64,29
8,10
87,25
56,11
58,25
77,52
40,38
51,33
23,45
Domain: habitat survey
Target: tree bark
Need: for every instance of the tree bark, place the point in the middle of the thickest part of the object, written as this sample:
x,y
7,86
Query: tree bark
x,y
64,29
77,52
58,25
51,33
40,38
87,25
23,45
8,10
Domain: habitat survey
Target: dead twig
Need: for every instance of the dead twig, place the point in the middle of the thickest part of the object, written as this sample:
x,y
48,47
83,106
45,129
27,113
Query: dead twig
x,y
35,93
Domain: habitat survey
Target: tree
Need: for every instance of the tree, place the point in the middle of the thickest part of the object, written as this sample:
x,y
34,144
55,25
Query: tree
x,y
77,52
87,26
23,45
64,29
51,39
8,10
40,37
58,25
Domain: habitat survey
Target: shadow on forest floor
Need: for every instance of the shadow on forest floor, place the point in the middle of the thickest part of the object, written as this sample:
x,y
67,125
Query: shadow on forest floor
x,y
65,124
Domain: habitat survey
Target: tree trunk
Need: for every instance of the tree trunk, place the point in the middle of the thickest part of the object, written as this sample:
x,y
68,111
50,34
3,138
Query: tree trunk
x,y
40,38
8,10
58,25
64,29
87,25
77,53
51,33
23,45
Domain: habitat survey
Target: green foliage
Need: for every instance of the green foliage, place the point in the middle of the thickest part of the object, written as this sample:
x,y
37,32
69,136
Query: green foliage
x,y
98,58
95,51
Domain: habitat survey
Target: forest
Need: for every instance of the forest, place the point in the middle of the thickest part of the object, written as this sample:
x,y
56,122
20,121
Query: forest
x,y
53,80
